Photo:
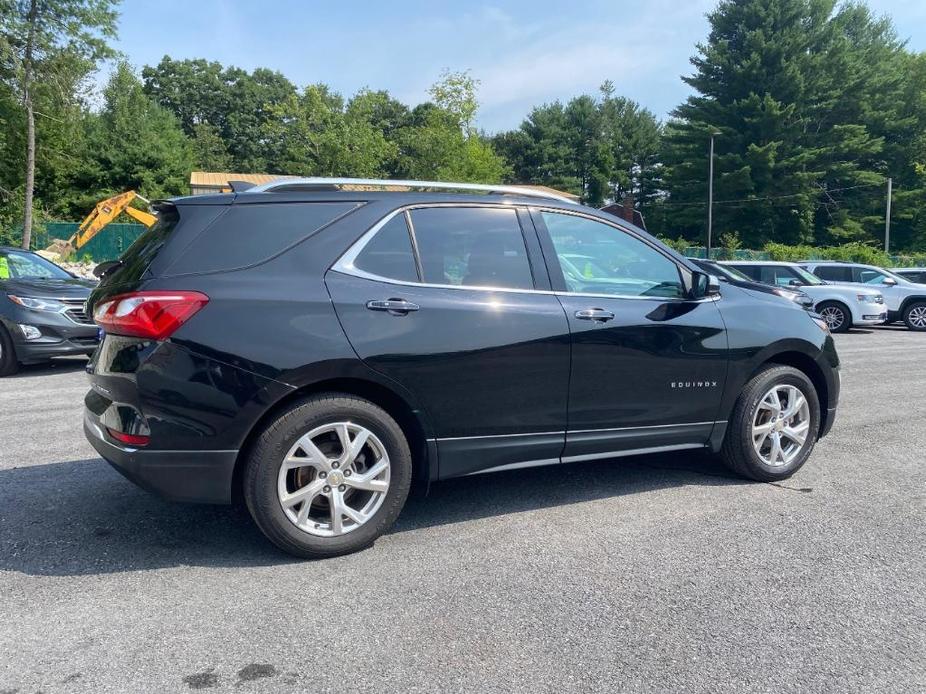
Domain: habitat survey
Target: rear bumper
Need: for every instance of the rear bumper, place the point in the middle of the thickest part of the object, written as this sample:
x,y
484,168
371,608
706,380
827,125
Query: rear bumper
x,y
191,476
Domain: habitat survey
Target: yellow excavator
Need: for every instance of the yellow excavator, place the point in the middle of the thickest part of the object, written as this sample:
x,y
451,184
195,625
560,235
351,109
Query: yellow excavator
x,y
103,213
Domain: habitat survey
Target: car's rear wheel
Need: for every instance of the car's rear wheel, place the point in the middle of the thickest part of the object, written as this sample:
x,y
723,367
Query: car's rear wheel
x,y
8,361
914,316
774,425
837,316
328,476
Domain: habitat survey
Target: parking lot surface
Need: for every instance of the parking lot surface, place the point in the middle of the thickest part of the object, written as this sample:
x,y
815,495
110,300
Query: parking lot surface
x,y
648,574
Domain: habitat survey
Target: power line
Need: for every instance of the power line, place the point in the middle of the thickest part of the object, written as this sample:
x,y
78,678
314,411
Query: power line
x,y
769,197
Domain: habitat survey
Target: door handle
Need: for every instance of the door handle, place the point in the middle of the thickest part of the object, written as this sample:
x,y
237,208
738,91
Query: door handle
x,y
595,314
397,307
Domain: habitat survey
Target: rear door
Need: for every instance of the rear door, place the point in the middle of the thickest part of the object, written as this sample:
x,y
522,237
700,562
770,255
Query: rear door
x,y
648,364
453,303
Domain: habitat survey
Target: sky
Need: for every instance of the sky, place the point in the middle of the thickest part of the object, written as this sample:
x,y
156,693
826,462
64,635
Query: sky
x,y
524,52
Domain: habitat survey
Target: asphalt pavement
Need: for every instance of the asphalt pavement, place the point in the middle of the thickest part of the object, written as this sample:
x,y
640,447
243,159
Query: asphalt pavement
x,y
650,574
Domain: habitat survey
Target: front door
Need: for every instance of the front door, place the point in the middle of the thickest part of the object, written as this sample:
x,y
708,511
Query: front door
x,y
648,364
444,300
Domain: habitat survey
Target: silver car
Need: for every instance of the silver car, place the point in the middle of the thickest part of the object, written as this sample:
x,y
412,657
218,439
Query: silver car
x,y
905,300
844,306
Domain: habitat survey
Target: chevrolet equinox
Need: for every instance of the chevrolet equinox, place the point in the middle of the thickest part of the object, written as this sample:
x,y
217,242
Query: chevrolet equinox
x,y
318,347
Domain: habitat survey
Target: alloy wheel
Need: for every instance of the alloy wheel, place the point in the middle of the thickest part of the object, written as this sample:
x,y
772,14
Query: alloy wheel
x,y
334,479
780,425
917,317
834,317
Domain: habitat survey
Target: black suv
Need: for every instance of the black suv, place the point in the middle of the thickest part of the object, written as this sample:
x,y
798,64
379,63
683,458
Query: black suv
x,y
316,350
41,311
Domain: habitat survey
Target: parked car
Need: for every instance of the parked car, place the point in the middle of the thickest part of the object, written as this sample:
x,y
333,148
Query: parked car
x,y
41,311
843,306
905,300
317,350
725,273
914,274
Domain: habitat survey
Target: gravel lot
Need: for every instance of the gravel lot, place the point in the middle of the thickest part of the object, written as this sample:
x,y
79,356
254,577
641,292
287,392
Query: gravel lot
x,y
652,574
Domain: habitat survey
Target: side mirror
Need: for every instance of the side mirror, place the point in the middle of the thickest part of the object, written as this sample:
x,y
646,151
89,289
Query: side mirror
x,y
796,283
889,281
704,285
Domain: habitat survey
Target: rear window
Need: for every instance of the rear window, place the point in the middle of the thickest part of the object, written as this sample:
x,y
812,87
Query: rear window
x,y
250,234
138,256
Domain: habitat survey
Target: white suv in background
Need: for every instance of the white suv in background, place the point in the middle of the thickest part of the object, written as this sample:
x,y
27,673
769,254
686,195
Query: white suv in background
x,y
842,305
905,300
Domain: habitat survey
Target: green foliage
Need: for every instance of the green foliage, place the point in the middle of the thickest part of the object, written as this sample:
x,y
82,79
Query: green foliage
x,y
811,108
601,149
855,252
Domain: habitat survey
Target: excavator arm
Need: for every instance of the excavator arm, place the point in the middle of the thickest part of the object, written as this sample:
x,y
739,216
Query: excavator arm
x,y
105,212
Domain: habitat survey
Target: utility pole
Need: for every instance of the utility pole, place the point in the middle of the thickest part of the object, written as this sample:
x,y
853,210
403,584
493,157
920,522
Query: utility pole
x,y
887,217
710,199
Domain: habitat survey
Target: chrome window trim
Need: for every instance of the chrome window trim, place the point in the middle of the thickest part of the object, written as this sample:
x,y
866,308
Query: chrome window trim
x,y
345,263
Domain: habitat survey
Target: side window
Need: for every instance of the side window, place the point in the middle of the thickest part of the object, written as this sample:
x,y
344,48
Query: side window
x,y
751,271
597,258
389,253
863,274
779,276
833,273
472,247
249,234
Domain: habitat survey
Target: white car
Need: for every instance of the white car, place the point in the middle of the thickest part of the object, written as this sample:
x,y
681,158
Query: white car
x,y
905,300
842,305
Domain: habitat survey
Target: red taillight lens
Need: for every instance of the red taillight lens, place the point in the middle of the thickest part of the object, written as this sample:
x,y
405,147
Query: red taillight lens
x,y
129,439
152,314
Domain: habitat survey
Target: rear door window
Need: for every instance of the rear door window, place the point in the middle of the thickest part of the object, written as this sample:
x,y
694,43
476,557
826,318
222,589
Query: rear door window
x,y
389,253
751,271
472,247
833,273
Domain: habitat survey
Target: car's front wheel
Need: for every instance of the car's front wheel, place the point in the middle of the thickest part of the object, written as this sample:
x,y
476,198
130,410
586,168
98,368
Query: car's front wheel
x,y
837,316
774,425
8,362
328,476
914,316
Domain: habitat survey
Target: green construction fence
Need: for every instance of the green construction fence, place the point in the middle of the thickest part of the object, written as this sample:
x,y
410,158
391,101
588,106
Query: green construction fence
x,y
109,244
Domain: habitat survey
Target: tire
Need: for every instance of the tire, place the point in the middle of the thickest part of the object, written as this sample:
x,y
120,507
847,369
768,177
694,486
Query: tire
x,y
739,452
321,421
914,316
8,361
837,316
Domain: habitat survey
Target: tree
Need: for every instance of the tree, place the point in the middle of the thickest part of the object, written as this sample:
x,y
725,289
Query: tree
x,y
133,144
36,33
314,134
236,106
603,149
797,96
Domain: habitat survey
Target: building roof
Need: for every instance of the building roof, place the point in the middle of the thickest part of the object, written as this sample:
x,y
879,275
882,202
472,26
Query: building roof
x,y
219,180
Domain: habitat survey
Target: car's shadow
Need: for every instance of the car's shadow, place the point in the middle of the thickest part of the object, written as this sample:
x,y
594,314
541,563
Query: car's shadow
x,y
81,517
54,366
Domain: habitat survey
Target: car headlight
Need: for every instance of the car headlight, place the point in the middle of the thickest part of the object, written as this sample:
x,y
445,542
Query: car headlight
x,y
38,304
870,298
797,297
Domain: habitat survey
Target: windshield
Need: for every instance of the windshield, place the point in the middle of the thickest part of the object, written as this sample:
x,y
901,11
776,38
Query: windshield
x,y
807,277
24,265
723,271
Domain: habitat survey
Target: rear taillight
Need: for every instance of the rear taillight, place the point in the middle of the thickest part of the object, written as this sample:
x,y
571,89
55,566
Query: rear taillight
x,y
151,314
128,439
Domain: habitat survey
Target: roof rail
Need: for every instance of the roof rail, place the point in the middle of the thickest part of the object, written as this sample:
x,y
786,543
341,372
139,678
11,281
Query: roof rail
x,y
317,182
